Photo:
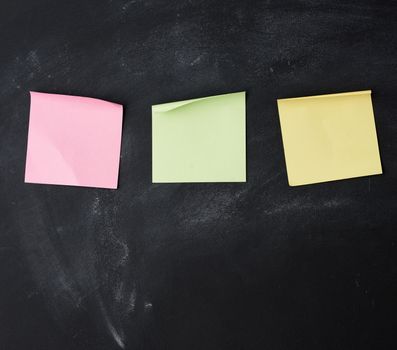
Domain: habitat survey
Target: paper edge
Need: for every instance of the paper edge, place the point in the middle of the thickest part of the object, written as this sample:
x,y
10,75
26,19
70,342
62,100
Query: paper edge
x,y
352,93
32,92
376,173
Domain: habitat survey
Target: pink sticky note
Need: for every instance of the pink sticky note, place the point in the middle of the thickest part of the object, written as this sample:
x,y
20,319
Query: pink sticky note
x,y
73,141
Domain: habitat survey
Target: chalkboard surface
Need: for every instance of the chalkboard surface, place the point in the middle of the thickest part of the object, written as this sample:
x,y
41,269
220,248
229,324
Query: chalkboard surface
x,y
256,265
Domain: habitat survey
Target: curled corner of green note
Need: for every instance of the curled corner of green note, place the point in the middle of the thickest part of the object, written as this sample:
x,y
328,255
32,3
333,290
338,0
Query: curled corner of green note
x,y
166,107
170,106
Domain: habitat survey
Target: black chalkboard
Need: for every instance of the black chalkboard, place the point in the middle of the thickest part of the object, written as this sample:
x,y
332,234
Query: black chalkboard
x,y
256,265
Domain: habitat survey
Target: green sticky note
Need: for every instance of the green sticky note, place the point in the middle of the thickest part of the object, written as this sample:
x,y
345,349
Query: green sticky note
x,y
200,140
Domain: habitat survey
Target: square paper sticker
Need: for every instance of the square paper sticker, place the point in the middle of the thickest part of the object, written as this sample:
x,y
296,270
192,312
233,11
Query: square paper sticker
x,y
329,137
200,140
73,141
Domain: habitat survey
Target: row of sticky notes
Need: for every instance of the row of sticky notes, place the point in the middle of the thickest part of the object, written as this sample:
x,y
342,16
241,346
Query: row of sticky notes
x,y
76,140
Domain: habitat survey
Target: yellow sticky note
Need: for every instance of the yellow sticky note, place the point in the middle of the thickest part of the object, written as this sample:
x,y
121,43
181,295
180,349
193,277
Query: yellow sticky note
x,y
199,140
329,137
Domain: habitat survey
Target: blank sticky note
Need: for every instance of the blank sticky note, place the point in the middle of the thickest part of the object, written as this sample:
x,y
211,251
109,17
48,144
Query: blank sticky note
x,y
200,140
329,137
73,141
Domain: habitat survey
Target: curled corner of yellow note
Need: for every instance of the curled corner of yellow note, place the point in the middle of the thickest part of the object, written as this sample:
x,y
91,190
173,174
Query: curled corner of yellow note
x,y
339,94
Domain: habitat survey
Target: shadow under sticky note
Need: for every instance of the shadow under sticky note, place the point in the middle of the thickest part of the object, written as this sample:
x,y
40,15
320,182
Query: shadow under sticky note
x,y
329,137
73,140
200,140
